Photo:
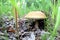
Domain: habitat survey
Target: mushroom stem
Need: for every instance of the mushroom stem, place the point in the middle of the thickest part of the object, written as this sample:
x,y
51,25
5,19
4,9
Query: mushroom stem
x,y
36,24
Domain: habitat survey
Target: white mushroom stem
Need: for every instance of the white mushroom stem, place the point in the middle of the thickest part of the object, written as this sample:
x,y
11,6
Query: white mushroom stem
x,y
36,25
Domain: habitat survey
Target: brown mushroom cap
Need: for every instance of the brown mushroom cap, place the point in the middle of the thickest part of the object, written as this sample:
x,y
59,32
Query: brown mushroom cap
x,y
35,15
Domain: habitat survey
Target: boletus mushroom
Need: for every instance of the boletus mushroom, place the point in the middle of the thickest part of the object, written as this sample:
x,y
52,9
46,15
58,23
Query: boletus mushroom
x,y
37,16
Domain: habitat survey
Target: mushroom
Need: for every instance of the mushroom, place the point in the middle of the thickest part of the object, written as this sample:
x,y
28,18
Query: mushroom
x,y
36,15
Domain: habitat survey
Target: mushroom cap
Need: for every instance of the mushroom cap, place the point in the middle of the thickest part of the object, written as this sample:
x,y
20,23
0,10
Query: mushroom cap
x,y
35,15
